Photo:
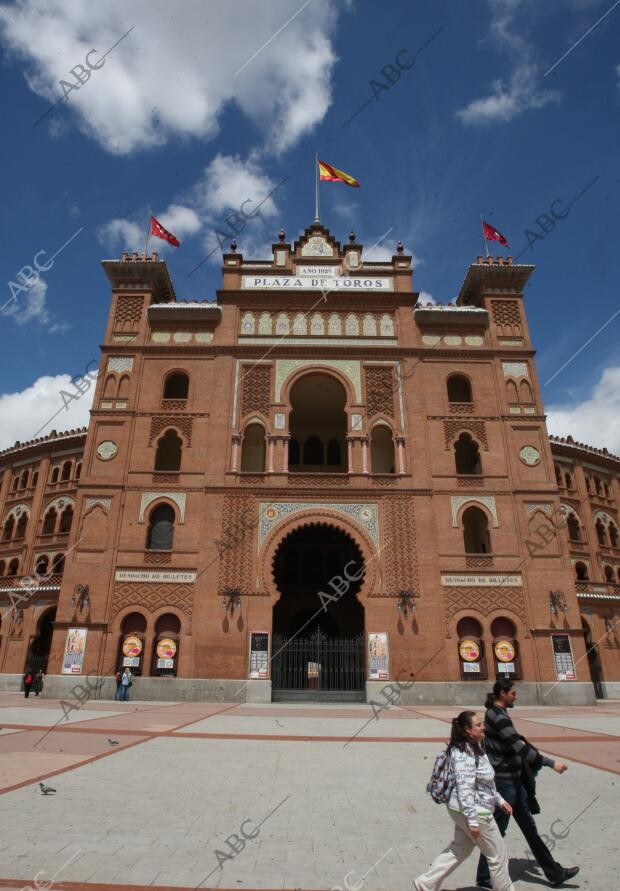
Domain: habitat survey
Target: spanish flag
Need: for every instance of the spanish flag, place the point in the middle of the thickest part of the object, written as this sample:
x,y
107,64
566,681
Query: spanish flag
x,y
327,172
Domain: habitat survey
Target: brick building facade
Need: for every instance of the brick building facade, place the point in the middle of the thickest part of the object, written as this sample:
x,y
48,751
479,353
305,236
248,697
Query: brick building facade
x,y
309,488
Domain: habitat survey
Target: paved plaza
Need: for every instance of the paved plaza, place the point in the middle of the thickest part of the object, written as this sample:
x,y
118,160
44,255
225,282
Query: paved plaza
x,y
327,796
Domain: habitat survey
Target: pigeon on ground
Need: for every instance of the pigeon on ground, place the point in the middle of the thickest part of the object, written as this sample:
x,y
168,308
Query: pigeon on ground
x,y
113,742
278,723
46,789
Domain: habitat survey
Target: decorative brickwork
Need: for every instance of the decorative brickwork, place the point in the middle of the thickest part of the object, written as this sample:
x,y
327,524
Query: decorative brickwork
x,y
237,543
151,597
379,390
452,429
506,316
183,423
157,557
173,404
474,482
128,313
482,600
398,557
256,386
317,480
478,561
461,408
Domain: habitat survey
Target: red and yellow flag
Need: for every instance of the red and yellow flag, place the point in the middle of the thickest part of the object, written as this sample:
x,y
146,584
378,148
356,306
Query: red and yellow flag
x,y
327,172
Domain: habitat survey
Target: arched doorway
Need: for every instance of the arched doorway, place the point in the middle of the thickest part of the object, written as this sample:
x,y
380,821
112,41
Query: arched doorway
x,y
41,643
594,661
318,424
318,628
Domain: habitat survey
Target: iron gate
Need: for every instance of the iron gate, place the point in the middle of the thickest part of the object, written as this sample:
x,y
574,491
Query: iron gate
x,y
318,667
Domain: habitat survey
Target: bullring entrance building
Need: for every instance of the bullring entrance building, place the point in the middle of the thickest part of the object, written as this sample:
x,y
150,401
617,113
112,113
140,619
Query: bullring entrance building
x,y
310,488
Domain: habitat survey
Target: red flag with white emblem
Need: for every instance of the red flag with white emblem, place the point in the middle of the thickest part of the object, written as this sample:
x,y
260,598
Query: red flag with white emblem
x,y
492,234
159,232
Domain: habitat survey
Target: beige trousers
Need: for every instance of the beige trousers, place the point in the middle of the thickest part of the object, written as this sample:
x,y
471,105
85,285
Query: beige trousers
x,y
490,843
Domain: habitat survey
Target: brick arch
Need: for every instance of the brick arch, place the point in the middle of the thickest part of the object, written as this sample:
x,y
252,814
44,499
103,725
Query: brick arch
x,y
179,429
460,503
340,376
455,426
152,500
125,611
372,578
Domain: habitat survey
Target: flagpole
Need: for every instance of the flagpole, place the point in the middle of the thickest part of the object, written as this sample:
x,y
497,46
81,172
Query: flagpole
x,y
148,235
317,207
484,241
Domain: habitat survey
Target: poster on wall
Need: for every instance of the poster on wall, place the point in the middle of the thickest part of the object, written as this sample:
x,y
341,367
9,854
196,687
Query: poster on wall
x,y
378,664
75,647
259,654
469,651
166,651
132,647
563,656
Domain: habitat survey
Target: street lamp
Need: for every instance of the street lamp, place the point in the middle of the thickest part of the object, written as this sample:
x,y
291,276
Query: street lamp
x,y
83,599
231,599
557,601
406,601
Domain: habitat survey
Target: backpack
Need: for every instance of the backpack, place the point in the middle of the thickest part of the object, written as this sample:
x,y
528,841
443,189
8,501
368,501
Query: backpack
x,y
442,779
28,679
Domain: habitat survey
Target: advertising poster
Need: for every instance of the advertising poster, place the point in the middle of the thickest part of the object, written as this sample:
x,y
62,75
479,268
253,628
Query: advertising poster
x,y
259,654
75,647
132,647
469,650
505,655
166,651
563,657
378,664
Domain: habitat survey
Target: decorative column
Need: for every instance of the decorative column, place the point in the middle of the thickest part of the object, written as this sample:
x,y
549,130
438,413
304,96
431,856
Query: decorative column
x,y
400,453
364,441
271,440
350,454
236,440
286,440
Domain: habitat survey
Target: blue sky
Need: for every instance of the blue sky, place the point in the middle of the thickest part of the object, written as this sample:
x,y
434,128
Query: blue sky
x,y
189,116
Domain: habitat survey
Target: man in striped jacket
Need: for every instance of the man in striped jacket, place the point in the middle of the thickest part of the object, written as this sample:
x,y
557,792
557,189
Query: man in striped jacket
x,y
511,754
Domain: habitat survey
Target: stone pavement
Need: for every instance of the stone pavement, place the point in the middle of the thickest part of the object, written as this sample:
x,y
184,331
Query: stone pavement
x,y
321,792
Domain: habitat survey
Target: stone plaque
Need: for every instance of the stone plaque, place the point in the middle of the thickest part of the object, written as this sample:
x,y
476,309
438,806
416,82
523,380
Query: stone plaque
x,y
172,576
529,455
477,580
107,450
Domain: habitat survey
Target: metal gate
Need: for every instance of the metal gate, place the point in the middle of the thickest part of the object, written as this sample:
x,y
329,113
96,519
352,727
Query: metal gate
x,y
318,667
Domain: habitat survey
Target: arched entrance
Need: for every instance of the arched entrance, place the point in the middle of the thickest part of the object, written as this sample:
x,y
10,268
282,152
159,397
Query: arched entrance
x,y
318,424
41,643
594,661
318,641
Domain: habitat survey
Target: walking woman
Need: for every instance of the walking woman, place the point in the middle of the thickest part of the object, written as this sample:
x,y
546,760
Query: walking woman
x,y
472,802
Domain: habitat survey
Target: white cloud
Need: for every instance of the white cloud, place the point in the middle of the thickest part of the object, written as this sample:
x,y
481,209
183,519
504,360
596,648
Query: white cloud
x,y
596,419
121,234
425,298
24,413
174,74
522,91
31,306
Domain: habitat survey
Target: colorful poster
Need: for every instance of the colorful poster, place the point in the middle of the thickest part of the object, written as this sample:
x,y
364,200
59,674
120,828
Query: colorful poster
x,y
259,654
504,651
75,647
469,650
378,661
563,656
132,647
166,651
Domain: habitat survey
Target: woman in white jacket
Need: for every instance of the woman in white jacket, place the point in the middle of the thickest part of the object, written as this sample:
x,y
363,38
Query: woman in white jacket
x,y
472,802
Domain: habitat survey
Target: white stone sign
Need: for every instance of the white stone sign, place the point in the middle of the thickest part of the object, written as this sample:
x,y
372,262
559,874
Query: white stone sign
x,y
315,283
477,580
154,575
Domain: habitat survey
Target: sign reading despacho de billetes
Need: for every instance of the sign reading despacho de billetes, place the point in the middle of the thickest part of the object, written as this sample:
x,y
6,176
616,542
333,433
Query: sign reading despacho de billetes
x,y
481,580
154,575
311,283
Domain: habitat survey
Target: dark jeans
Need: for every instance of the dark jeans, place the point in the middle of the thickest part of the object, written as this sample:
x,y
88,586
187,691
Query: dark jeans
x,y
515,795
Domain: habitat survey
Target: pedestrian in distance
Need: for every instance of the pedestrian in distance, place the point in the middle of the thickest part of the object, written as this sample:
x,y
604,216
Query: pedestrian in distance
x,y
119,690
473,798
28,679
37,684
125,685
516,762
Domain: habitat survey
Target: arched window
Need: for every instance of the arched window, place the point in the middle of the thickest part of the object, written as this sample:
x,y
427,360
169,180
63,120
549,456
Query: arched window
x,y
22,525
558,475
9,526
606,490
176,386
169,451
589,484
109,390
66,518
581,572
66,471
293,451
597,485
13,567
333,452
613,535
511,392
42,565
476,531
161,529
253,449
23,483
601,533
49,522
569,480
574,528
525,392
123,387
313,451
58,564
467,455
55,473
35,479
609,574
78,470
381,450
459,389
15,483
